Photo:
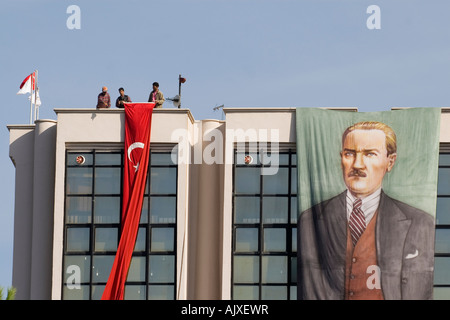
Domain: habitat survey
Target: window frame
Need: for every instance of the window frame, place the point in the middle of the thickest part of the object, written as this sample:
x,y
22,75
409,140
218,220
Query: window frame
x,y
289,225
93,226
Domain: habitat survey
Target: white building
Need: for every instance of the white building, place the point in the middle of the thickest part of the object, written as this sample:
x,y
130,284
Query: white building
x,y
208,228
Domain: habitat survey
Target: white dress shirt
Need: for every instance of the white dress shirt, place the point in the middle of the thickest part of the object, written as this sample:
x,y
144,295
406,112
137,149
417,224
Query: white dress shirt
x,y
369,204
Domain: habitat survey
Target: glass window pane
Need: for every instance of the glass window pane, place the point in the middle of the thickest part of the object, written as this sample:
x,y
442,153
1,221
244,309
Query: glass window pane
x,y
443,181
246,209
293,180
274,269
443,211
134,292
275,209
246,239
136,272
140,240
441,293
77,269
293,159
273,293
79,181
293,269
161,292
144,212
97,291
294,212
161,268
442,244
441,270
161,159
294,239
81,292
444,159
106,239
77,239
277,183
283,158
107,210
72,159
163,180
245,292
162,239
108,158
107,180
78,209
293,292
101,267
163,209
274,239
246,269
247,180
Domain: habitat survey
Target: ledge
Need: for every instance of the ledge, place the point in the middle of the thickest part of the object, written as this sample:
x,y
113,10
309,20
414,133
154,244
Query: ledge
x,y
119,111
281,109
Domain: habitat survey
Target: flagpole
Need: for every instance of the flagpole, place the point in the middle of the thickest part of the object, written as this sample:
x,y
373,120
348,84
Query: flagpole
x,y
31,99
35,94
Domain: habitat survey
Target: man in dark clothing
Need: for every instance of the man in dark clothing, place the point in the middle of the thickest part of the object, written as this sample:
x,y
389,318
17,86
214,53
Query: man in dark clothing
x,y
122,98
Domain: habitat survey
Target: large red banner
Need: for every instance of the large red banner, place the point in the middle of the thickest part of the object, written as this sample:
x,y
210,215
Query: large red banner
x,y
138,119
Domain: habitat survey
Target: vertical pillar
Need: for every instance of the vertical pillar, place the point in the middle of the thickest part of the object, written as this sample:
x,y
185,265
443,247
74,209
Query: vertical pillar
x,y
43,202
21,152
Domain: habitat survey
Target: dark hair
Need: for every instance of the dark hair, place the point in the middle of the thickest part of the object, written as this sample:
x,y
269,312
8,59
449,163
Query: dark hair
x,y
121,89
156,84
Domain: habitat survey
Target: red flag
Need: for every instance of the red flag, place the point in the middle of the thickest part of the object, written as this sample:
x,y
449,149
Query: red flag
x,y
138,119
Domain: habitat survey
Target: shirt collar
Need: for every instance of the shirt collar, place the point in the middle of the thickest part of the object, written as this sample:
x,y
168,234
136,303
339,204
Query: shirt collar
x,y
369,204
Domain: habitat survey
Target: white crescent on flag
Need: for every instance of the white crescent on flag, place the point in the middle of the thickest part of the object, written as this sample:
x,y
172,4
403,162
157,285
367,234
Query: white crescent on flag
x,y
131,148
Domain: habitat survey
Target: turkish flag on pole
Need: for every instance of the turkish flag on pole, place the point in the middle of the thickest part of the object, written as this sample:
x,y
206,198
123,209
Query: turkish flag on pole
x,y
138,120
28,84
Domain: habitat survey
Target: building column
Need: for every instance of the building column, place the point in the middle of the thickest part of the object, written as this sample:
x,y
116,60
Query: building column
x,y
43,202
21,152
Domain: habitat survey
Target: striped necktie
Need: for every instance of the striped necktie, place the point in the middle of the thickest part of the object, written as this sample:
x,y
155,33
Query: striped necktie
x,y
357,221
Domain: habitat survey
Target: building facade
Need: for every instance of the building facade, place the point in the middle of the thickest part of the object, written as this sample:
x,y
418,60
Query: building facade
x,y
214,225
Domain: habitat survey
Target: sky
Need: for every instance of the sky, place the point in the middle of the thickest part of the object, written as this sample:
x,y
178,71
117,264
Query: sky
x,y
236,53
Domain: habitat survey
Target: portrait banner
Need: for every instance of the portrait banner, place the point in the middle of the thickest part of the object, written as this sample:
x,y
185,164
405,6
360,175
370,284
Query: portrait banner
x,y
367,190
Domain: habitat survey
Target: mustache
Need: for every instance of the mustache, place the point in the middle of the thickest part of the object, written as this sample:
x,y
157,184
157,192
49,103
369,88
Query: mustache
x,y
357,173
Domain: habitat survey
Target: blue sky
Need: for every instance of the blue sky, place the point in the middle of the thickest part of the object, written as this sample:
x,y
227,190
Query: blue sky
x,y
240,53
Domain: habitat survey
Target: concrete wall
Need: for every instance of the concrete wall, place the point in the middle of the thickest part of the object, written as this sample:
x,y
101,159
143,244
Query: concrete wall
x,y
32,150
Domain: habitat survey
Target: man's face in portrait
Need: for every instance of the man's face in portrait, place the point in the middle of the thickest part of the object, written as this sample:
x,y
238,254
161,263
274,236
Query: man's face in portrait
x,y
365,161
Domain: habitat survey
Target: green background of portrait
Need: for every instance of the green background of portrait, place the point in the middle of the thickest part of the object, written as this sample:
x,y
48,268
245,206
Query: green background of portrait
x,y
413,179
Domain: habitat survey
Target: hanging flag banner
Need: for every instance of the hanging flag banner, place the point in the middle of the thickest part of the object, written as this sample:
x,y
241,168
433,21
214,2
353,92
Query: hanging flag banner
x,y
138,119
367,190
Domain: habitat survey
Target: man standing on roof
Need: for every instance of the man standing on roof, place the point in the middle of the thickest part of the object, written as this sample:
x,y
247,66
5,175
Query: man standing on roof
x,y
104,100
156,96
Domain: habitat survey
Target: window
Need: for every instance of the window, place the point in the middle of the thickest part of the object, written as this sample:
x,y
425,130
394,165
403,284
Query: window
x,y
264,228
442,244
92,226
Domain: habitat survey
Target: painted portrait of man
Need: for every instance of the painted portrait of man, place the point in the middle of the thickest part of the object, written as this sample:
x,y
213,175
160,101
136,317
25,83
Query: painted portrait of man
x,y
362,243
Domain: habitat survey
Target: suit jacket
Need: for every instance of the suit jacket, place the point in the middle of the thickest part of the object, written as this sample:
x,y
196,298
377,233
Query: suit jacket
x,y
159,97
404,244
